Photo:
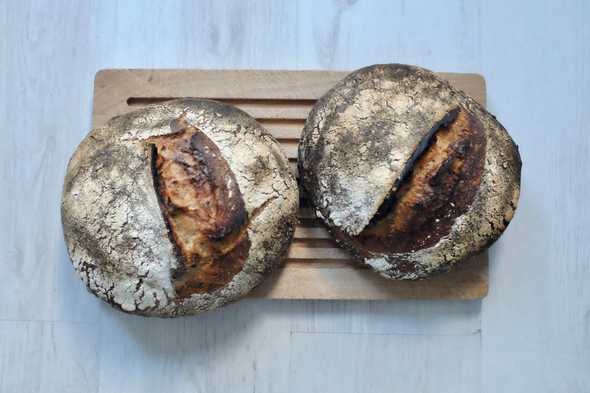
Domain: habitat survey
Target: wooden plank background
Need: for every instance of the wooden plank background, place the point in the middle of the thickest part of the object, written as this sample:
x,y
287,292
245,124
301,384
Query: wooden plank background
x,y
532,331
316,268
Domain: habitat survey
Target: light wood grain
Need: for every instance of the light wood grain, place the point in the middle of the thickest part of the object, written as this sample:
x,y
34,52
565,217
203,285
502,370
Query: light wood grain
x,y
337,278
264,94
281,100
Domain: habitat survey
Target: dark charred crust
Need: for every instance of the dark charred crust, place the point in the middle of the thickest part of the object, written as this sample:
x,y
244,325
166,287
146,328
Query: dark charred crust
x,y
409,166
437,185
233,216
203,209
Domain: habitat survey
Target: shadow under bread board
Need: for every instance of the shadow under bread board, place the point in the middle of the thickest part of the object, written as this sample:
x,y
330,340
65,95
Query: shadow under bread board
x,y
316,268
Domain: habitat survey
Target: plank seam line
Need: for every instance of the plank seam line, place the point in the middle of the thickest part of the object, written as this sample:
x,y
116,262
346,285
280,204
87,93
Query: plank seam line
x,y
476,332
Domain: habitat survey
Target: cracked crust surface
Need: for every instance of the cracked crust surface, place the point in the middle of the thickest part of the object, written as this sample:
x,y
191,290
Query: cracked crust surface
x,y
361,138
116,231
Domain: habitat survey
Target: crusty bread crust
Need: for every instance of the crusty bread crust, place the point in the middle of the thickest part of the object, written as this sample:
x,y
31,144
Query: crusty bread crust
x,y
358,162
116,230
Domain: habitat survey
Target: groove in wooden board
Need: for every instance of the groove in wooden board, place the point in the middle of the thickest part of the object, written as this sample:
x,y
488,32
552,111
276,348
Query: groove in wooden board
x,y
260,109
284,129
311,233
142,101
302,251
280,101
325,243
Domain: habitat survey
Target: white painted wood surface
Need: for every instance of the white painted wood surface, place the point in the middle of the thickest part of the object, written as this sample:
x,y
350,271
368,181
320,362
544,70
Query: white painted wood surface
x,y
532,332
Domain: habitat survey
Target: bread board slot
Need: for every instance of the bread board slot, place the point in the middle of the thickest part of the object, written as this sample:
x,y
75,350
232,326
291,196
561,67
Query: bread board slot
x,y
302,251
285,130
142,101
273,109
311,233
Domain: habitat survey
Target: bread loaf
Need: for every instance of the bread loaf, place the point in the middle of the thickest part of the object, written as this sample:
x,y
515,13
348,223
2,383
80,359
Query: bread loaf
x,y
408,173
178,208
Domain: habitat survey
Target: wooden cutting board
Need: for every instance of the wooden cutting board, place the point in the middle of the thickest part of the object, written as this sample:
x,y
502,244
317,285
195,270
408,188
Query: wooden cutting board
x,y
280,100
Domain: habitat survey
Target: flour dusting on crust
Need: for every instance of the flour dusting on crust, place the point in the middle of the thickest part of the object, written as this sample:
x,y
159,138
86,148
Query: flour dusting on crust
x,y
356,142
116,236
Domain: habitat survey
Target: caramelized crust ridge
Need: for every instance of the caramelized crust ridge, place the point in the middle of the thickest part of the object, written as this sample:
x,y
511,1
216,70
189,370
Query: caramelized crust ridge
x,y
203,209
438,187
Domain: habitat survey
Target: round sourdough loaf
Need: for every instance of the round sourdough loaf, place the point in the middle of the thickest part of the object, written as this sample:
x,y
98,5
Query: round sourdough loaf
x,y
408,173
178,208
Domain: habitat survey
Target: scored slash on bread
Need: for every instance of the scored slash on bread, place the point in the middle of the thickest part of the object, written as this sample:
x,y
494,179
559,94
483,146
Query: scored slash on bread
x,y
409,174
202,206
178,208
437,187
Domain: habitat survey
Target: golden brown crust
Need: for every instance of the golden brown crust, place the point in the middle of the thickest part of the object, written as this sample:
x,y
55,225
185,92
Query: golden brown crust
x,y
203,209
439,187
